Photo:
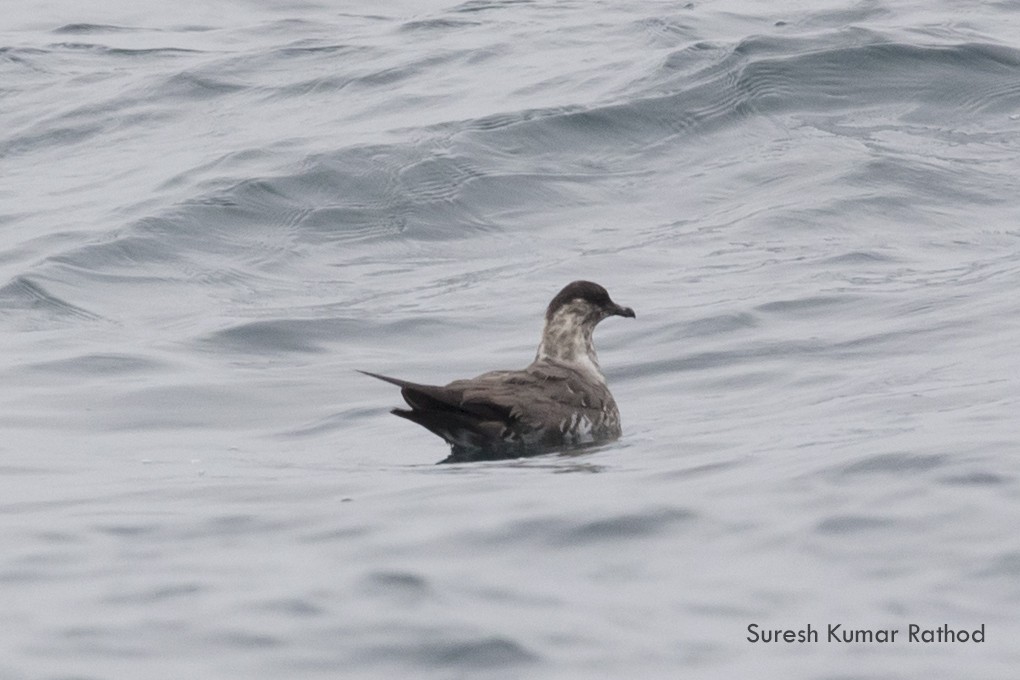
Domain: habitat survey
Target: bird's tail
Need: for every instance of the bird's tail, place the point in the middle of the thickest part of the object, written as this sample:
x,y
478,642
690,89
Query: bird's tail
x,y
440,411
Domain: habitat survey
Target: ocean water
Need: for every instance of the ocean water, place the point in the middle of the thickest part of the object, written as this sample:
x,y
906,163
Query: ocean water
x,y
212,214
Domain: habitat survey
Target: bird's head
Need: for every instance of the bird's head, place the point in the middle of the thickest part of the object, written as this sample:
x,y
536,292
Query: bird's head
x,y
585,302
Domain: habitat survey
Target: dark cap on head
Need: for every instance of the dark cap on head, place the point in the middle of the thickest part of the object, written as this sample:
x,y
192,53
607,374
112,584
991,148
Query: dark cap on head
x,y
590,292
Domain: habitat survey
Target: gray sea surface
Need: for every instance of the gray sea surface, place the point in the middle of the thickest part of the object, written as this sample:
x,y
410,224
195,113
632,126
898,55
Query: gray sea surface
x,y
213,213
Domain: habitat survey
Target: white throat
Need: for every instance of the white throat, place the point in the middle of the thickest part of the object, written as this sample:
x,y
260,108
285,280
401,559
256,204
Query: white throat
x,y
567,339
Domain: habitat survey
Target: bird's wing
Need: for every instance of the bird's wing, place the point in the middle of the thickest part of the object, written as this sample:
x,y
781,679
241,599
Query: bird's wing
x,y
538,397
500,406
449,398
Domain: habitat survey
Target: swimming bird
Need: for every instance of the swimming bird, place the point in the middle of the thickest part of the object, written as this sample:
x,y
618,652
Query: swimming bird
x,y
559,401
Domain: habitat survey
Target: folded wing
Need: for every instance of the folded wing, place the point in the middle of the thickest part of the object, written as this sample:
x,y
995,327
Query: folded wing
x,y
501,410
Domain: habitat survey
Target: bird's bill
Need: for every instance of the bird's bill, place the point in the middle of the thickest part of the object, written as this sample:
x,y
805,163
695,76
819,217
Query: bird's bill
x,y
623,311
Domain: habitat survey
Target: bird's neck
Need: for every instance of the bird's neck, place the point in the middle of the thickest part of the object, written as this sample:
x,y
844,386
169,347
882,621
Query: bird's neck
x,y
567,339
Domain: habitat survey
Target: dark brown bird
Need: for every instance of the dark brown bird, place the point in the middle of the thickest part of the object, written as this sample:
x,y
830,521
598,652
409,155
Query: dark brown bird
x,y
561,400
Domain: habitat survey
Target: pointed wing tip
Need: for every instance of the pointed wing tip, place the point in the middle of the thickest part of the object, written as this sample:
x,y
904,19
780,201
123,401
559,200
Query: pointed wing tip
x,y
384,378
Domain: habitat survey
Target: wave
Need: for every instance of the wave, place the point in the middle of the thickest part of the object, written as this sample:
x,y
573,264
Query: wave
x,y
251,213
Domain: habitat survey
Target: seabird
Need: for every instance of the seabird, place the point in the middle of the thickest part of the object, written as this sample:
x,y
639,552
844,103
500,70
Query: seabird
x,y
561,400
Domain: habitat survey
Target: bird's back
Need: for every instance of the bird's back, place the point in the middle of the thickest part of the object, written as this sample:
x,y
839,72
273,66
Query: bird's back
x,y
504,414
